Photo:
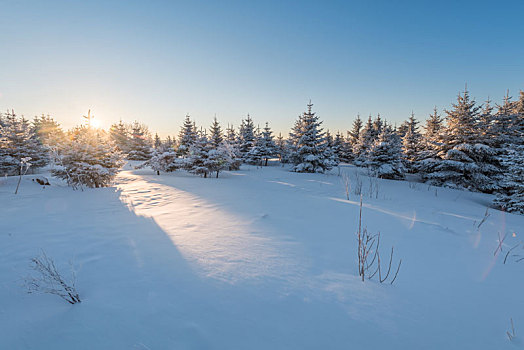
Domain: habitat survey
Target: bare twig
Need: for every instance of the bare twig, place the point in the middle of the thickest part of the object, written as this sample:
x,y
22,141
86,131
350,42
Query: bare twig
x,y
486,215
50,281
369,246
501,240
509,251
512,334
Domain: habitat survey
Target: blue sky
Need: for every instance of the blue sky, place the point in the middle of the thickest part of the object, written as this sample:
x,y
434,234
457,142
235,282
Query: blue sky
x,y
156,61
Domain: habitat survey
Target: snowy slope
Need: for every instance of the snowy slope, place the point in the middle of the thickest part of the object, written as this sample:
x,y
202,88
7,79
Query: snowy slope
x,y
257,259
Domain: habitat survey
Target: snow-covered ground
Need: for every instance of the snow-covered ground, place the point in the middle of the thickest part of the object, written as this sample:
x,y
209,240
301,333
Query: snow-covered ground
x,y
258,259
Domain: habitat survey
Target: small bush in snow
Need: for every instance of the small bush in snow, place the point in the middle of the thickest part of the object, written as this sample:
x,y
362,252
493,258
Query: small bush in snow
x,y
48,280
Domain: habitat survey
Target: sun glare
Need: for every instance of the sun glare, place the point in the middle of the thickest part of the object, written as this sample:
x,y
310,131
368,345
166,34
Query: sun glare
x,y
95,123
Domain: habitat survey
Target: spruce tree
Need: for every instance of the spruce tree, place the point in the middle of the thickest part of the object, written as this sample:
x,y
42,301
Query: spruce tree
x,y
385,156
411,145
264,148
187,137
311,153
511,195
119,134
18,140
139,146
339,148
363,145
48,131
246,136
198,154
88,158
216,137
463,160
430,143
157,142
280,147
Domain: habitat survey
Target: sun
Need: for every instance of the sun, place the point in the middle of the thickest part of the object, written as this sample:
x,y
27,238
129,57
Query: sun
x,y
95,123
91,121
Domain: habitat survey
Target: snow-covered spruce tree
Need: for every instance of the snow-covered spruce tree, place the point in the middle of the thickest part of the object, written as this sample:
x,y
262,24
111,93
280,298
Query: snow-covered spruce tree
x,y
246,136
353,135
88,158
220,158
504,128
363,145
430,142
339,148
485,123
508,133
378,124
139,142
385,156
119,134
263,149
292,141
157,142
187,137
216,136
168,144
463,161
411,145
198,154
18,140
163,159
48,131
231,143
312,154
511,195
280,147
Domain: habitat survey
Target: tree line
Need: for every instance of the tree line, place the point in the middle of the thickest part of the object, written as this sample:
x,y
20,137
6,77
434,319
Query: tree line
x,y
479,147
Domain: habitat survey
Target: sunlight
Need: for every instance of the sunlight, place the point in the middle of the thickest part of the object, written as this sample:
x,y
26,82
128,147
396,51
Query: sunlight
x,y
218,243
95,123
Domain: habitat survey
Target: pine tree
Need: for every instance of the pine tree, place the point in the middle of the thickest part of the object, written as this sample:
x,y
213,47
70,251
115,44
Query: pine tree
x,y
157,142
231,135
280,147
216,137
350,145
88,158
232,145
354,134
198,154
363,145
411,146
48,131
385,156
511,195
264,148
339,147
246,136
377,127
311,154
218,159
463,161
163,159
187,137
433,126
430,143
169,144
290,156
18,140
119,134
139,146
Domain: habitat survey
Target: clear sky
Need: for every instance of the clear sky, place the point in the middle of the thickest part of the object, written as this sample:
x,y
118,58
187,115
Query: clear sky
x,y
155,61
